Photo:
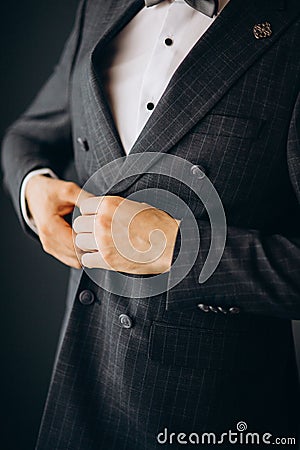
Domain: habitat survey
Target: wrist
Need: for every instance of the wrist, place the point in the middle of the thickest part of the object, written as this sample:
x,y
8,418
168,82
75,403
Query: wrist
x,y
30,185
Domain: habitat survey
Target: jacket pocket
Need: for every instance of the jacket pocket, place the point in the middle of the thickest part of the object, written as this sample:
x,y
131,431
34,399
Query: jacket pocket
x,y
230,126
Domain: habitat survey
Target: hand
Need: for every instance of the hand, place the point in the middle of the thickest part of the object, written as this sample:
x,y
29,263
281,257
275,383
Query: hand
x,y
125,236
49,200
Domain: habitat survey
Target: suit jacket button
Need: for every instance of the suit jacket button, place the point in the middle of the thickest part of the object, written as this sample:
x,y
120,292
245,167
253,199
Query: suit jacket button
x,y
234,310
84,145
198,171
222,310
86,297
203,308
125,321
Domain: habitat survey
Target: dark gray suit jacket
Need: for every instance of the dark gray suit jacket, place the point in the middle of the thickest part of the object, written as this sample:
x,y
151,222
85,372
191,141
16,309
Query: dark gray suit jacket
x,y
232,107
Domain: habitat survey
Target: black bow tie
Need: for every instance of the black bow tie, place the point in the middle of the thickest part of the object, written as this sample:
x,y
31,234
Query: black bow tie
x,y
207,7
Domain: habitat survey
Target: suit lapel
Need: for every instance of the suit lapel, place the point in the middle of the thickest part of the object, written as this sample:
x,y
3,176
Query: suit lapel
x,y
104,131
216,62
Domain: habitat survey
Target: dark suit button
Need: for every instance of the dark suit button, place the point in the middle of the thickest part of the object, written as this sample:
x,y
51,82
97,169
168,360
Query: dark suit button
x,y
83,144
234,310
86,297
198,171
125,321
203,308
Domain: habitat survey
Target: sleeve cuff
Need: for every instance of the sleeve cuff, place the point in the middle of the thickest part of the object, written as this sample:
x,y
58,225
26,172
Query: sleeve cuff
x,y
24,209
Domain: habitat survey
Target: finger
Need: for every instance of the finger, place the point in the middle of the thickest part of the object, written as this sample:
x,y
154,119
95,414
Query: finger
x,y
90,205
62,238
84,195
86,242
84,224
57,240
94,261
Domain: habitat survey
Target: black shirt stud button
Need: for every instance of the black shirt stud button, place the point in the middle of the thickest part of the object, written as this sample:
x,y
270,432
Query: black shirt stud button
x,y
169,42
150,106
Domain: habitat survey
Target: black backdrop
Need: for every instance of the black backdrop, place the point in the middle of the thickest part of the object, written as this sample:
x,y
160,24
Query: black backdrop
x,y
33,285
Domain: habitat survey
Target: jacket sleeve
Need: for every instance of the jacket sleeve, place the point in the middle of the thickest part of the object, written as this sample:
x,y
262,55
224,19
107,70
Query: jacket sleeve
x,y
258,273
41,136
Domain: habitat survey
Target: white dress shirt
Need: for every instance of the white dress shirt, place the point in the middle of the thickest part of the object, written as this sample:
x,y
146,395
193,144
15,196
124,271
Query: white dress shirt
x,y
139,63
143,57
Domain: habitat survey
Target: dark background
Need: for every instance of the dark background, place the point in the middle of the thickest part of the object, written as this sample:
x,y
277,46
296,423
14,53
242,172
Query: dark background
x,y
33,285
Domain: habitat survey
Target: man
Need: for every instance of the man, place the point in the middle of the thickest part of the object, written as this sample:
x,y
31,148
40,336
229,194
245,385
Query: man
x,y
216,84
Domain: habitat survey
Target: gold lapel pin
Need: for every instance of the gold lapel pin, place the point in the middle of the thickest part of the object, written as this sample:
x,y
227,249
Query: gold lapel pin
x,y
262,30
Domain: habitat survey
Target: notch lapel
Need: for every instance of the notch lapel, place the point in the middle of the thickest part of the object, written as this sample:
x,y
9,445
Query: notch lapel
x,y
216,62
107,145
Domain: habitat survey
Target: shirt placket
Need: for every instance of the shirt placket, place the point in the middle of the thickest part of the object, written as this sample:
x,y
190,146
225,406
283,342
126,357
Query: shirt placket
x,y
159,66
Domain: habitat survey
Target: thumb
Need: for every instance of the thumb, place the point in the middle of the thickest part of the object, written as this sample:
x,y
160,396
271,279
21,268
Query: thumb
x,y
74,194
83,196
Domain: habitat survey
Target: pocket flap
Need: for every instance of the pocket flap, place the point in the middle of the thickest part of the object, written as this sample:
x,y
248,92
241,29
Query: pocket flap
x,y
231,126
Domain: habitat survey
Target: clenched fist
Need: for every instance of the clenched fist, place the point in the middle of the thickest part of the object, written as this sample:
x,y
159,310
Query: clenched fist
x,y
126,236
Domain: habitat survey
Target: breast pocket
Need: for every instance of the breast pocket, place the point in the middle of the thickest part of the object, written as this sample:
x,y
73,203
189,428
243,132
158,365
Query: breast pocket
x,y
247,128
228,149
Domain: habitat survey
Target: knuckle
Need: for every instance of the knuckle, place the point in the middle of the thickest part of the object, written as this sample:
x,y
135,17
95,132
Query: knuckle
x,y
103,221
64,191
116,200
104,206
109,203
68,188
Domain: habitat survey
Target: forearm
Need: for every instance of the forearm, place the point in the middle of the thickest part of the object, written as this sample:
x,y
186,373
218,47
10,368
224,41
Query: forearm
x,y
42,136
